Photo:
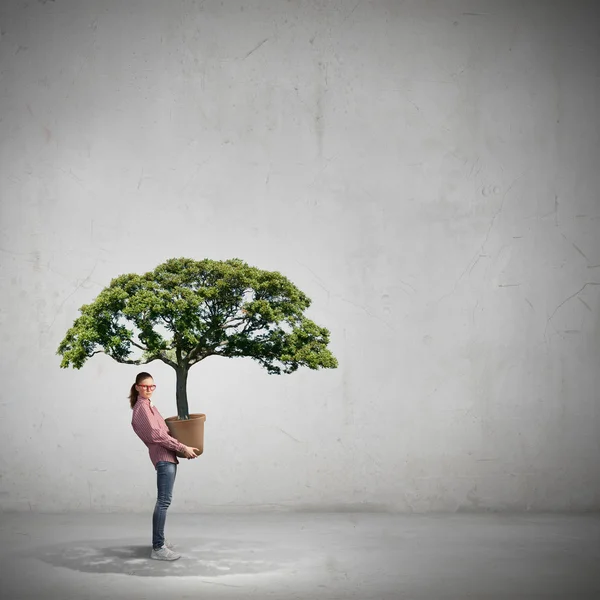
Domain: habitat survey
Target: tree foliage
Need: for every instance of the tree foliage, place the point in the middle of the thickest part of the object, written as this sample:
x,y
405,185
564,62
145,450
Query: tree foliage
x,y
187,310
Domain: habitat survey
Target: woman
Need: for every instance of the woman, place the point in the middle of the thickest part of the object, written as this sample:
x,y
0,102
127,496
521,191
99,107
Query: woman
x,y
151,428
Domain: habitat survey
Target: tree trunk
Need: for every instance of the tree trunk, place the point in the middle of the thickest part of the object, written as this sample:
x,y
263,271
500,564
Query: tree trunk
x,y
181,393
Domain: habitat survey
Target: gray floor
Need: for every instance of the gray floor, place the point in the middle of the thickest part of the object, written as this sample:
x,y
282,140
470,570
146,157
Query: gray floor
x,y
303,555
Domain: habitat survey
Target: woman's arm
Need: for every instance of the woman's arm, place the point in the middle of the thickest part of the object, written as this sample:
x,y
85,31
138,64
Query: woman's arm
x,y
148,432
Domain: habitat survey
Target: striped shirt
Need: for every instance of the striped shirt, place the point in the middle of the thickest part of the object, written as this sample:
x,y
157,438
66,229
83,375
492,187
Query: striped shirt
x,y
151,428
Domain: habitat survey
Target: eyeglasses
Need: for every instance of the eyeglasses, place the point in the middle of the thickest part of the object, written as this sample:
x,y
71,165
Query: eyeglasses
x,y
148,388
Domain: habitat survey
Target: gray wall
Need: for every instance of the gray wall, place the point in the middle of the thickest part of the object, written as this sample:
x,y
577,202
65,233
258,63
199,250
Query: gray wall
x,y
427,172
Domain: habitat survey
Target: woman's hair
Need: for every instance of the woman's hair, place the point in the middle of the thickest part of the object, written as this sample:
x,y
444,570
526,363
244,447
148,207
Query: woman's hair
x,y
133,393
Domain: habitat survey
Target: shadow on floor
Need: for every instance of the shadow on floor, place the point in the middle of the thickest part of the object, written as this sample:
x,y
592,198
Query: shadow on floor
x,y
211,558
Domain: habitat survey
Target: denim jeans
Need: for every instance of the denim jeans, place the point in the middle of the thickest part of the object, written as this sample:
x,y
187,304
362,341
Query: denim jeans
x,y
165,479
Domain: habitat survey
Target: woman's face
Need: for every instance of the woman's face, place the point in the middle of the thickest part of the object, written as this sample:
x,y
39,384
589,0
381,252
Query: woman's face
x,y
146,387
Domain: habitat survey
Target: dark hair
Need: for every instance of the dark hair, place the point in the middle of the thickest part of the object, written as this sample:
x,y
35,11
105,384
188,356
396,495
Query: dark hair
x,y
133,393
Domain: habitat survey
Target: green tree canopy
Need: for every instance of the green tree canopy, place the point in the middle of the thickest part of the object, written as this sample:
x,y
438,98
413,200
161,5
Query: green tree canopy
x,y
187,310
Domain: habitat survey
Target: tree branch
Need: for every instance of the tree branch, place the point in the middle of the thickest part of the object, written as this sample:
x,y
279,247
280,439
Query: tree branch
x,y
197,360
166,360
229,324
139,346
127,361
191,357
253,326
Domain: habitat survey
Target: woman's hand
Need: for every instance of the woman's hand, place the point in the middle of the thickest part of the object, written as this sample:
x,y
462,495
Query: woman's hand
x,y
190,452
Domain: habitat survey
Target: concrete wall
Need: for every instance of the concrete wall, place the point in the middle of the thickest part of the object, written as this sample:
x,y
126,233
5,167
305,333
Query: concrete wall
x,y
427,172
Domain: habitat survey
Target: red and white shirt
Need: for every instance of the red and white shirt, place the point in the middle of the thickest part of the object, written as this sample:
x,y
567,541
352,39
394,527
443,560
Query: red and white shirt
x,y
151,428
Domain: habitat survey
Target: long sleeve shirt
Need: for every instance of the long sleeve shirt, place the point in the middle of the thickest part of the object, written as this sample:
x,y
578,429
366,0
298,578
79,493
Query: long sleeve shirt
x,y
151,428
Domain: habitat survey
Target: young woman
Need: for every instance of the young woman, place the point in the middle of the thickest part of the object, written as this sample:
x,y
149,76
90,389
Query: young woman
x,y
151,428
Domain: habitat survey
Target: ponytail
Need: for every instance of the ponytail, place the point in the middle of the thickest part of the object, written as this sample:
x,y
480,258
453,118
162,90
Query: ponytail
x,y
133,396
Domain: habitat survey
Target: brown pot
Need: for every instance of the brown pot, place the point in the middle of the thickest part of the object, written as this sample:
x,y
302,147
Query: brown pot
x,y
189,432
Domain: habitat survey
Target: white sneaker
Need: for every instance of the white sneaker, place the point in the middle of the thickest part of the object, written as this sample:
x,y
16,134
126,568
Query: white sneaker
x,y
164,554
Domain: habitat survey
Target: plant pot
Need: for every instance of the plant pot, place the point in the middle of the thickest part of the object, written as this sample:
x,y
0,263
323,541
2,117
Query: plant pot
x,y
189,432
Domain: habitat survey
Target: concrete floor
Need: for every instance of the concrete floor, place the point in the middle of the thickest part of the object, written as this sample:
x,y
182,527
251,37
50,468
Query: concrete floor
x,y
303,555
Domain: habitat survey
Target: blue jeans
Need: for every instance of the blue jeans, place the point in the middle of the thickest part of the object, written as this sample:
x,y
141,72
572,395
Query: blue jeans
x,y
165,479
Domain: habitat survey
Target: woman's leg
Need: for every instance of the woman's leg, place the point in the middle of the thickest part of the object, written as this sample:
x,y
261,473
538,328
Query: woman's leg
x,y
165,479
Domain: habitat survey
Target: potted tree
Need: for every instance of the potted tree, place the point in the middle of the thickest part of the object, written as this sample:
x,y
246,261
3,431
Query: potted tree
x,y
185,311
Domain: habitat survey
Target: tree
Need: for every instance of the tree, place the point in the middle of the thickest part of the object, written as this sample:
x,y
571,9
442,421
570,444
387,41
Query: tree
x,y
187,310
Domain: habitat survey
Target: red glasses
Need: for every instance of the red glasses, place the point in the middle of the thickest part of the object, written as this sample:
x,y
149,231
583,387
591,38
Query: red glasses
x,y
148,388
